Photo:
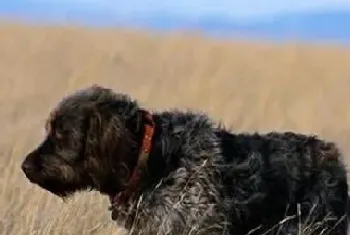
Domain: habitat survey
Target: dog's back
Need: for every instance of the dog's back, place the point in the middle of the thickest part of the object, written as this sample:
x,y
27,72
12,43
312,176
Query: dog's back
x,y
276,176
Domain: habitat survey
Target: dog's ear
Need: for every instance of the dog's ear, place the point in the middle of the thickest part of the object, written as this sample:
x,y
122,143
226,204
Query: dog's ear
x,y
108,137
107,146
103,133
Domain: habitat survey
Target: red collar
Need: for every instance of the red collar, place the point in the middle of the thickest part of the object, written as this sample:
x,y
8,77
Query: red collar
x,y
141,167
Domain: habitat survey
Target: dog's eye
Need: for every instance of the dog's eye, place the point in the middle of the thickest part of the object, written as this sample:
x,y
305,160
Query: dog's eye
x,y
58,135
56,129
50,132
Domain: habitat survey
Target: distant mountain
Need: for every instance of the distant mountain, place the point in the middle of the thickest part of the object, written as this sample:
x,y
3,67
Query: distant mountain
x,y
331,25
327,25
311,26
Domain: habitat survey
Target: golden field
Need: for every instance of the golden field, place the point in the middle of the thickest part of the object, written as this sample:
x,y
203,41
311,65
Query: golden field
x,y
248,86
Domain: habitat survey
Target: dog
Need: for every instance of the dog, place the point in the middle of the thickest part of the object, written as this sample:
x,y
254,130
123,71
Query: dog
x,y
179,172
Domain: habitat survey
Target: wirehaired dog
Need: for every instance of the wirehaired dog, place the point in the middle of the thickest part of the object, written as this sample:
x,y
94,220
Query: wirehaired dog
x,y
180,173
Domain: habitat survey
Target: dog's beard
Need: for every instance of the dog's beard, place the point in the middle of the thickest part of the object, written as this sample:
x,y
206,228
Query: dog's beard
x,y
60,189
57,186
55,189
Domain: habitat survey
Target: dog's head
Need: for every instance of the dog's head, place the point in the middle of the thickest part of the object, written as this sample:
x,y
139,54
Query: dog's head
x,y
89,142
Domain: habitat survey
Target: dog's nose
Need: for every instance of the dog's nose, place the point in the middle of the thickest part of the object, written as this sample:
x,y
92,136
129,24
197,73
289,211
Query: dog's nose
x,y
27,167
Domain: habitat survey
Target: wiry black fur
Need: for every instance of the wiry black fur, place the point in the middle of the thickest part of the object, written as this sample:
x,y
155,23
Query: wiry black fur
x,y
203,179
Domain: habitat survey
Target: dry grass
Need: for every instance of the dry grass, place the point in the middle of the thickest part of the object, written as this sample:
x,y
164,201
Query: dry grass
x,y
248,86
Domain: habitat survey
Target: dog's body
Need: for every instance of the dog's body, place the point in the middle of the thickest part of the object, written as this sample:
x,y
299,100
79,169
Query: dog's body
x,y
201,178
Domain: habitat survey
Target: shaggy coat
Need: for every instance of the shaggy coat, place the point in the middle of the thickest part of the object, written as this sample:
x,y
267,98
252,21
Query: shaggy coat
x,y
201,178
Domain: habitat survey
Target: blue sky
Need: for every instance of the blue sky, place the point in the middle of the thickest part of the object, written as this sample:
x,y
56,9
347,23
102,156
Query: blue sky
x,y
246,9
234,8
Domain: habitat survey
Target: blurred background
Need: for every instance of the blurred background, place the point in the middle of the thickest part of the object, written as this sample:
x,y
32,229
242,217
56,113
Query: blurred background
x,y
257,65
